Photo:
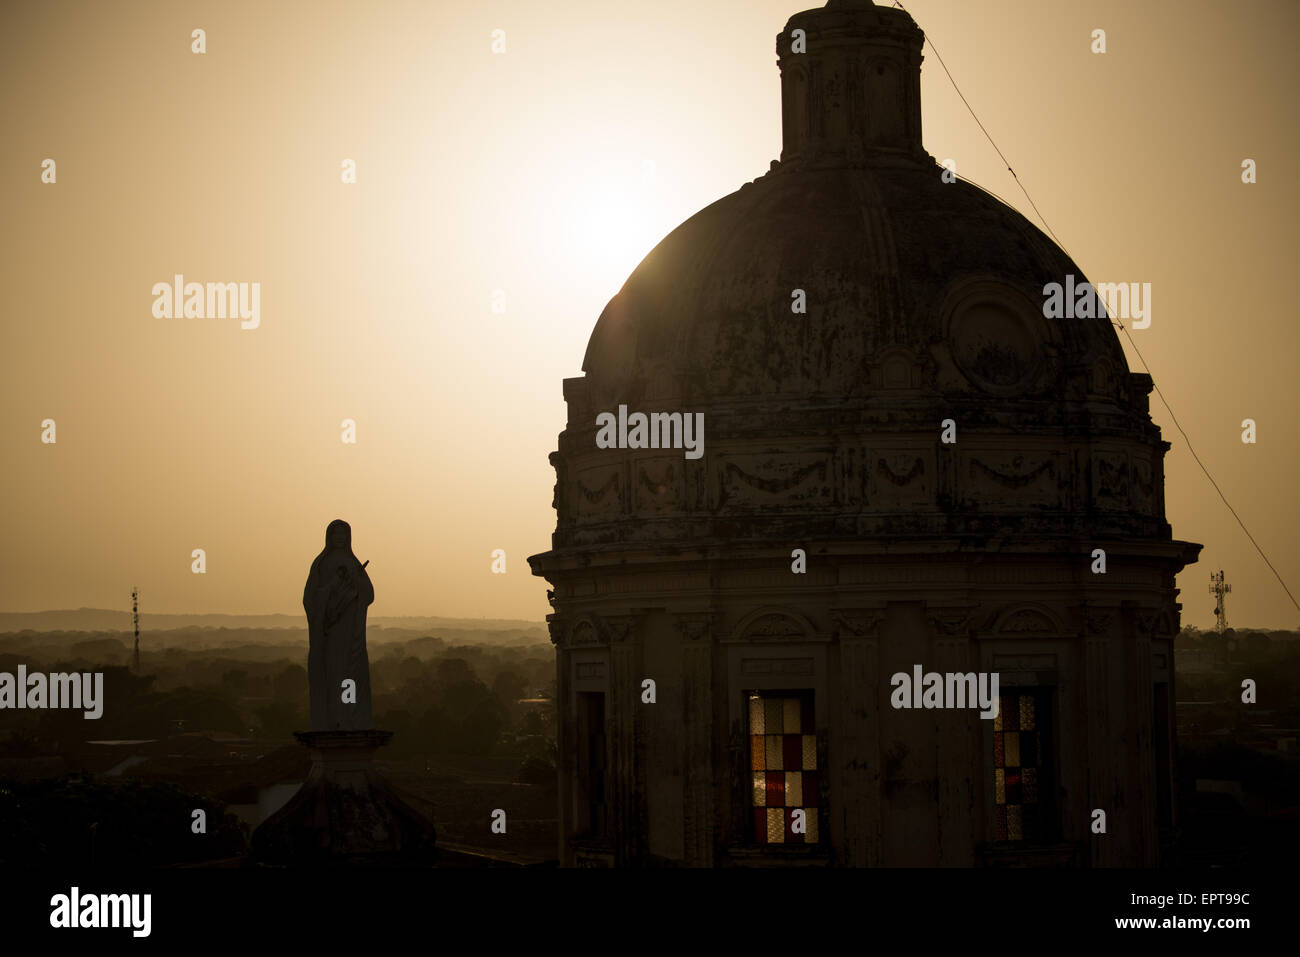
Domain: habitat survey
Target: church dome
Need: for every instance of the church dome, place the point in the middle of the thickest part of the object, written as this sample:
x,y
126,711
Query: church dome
x,y
829,319
854,266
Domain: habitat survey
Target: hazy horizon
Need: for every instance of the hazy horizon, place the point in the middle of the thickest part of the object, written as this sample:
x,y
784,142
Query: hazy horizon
x,y
119,621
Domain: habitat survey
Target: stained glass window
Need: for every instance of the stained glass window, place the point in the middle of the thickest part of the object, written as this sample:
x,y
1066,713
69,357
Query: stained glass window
x,y
1021,765
783,766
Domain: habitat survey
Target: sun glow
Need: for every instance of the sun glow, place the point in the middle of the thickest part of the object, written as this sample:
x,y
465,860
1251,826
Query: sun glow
x,y
607,222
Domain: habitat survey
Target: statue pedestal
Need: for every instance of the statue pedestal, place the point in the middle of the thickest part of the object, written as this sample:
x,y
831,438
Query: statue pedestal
x,y
344,813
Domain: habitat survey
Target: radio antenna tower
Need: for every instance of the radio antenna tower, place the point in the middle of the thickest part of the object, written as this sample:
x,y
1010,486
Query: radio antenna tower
x,y
135,617
1219,590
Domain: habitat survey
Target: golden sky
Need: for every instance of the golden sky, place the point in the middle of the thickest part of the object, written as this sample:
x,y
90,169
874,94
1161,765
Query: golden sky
x,y
546,171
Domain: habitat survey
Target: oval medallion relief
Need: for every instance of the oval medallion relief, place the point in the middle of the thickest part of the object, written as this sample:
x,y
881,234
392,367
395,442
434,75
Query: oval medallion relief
x,y
993,341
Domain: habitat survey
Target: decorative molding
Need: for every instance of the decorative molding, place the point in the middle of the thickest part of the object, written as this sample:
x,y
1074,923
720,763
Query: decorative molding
x,y
1024,621
1027,620
916,469
1012,480
658,487
1144,479
1097,622
857,622
896,368
555,625
620,628
1110,479
951,621
773,624
796,478
1147,620
584,632
1096,619
596,495
993,334
695,626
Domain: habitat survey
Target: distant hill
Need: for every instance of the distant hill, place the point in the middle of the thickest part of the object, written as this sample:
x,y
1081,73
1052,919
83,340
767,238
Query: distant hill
x,y
104,619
